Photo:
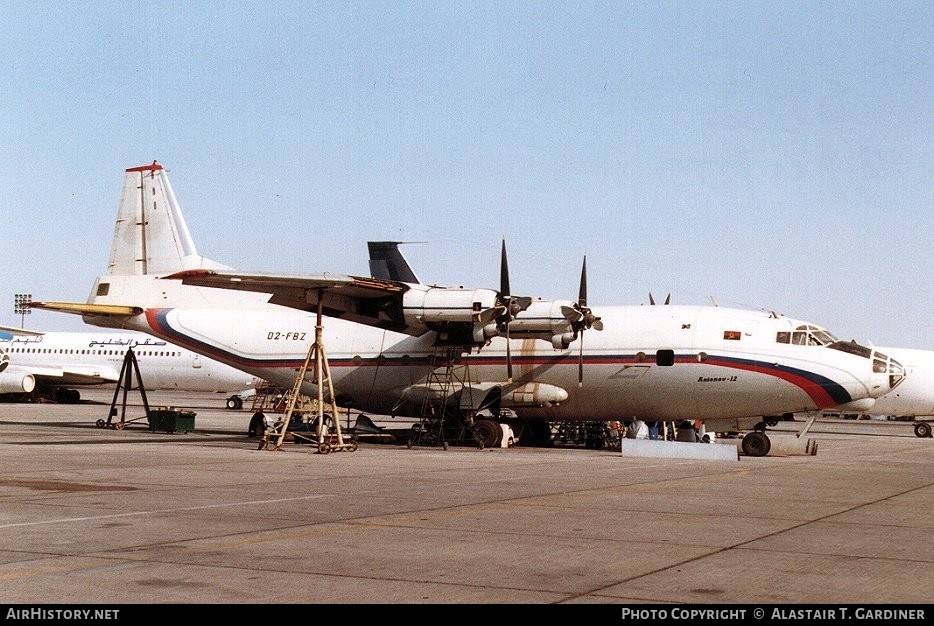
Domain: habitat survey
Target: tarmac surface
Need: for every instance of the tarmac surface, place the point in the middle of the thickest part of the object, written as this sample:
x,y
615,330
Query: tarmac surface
x,y
93,515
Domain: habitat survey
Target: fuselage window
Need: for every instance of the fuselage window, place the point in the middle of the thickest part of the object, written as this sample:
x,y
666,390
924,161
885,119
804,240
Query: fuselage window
x,y
665,358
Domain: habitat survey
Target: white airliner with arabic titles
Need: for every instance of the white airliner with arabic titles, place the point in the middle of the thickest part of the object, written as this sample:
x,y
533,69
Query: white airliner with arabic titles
x,y
485,355
51,364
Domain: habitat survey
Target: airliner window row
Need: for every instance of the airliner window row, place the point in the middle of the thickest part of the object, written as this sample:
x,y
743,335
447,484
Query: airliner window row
x,y
92,352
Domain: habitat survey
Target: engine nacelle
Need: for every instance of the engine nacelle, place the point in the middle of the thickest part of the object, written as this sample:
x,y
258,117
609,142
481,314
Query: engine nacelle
x,y
4,360
16,382
545,319
449,305
458,315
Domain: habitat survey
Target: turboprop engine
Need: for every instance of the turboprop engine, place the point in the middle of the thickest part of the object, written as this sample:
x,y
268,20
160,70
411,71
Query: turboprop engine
x,y
546,320
459,315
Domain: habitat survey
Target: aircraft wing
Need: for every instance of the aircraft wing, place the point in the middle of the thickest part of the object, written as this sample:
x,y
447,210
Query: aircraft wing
x,y
372,301
460,316
74,375
10,331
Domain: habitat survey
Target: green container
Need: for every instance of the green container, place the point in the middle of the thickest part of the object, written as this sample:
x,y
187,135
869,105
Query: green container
x,y
171,420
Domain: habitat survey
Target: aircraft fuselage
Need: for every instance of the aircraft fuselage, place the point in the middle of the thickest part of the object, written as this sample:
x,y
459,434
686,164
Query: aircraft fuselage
x,y
650,363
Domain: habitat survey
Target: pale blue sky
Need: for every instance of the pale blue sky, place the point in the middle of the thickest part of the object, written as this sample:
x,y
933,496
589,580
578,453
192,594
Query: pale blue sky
x,y
773,155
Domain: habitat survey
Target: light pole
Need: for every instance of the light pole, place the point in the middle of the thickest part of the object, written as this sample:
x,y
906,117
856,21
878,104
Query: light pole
x,y
20,307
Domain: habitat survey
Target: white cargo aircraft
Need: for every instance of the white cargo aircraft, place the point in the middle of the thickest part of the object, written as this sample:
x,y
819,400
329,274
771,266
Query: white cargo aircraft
x,y
51,364
485,356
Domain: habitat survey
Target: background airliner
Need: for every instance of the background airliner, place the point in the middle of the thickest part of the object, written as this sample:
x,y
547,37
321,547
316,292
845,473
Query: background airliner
x,y
914,398
402,348
51,364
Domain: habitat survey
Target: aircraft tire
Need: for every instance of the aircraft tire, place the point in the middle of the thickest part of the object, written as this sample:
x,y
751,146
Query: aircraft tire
x,y
923,430
535,433
756,443
257,425
234,403
488,433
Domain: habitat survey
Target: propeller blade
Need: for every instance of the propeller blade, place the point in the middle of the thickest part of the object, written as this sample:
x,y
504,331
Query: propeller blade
x,y
513,305
582,297
571,314
580,363
508,357
504,272
598,323
522,303
491,314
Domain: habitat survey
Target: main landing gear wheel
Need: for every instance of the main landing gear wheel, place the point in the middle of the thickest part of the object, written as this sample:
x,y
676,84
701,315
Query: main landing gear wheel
x,y
488,433
756,443
234,403
923,429
257,425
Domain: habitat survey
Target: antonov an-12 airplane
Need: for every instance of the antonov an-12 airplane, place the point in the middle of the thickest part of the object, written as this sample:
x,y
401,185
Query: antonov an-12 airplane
x,y
50,365
485,356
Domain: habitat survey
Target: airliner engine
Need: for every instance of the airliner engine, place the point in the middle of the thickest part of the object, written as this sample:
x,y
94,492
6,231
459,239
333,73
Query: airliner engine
x,y
16,382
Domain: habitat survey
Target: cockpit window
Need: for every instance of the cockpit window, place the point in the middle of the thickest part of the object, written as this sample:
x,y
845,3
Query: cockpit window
x,y
853,348
808,335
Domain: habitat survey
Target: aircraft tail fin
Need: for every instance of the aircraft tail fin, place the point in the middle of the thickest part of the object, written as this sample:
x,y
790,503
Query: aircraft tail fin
x,y
151,236
387,262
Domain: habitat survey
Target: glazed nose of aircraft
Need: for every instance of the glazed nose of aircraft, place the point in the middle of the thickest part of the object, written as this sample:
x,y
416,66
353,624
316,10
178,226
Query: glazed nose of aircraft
x,y
889,367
